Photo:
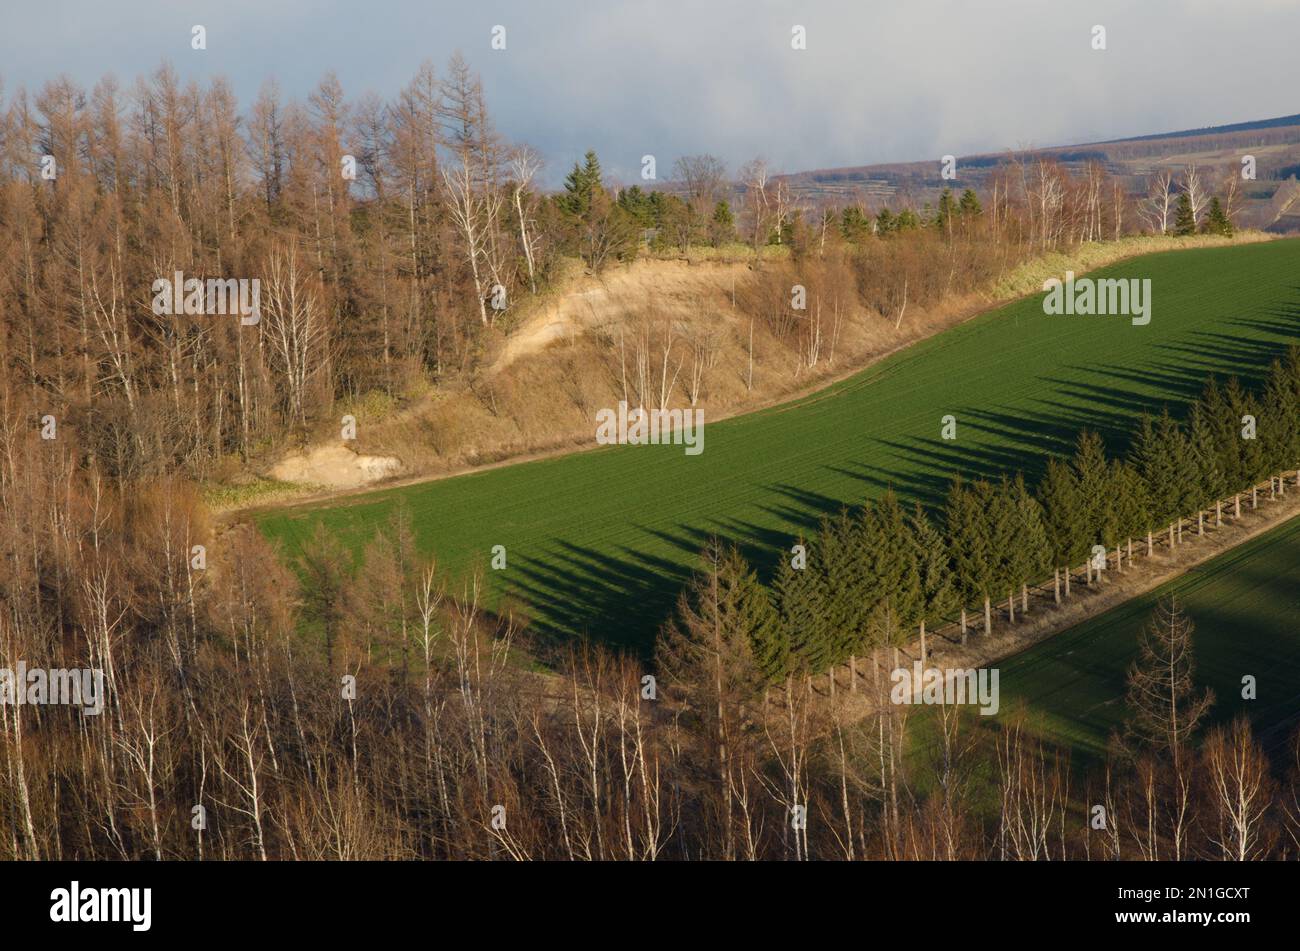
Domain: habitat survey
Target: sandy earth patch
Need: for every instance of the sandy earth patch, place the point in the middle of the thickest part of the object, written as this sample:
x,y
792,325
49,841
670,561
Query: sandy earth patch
x,y
337,467
671,287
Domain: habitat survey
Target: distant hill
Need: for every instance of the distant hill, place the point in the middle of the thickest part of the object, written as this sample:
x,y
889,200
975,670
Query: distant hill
x,y
1214,129
1217,150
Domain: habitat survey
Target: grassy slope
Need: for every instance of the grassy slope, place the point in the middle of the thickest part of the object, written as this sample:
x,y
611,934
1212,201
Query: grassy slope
x,y
1245,604
601,541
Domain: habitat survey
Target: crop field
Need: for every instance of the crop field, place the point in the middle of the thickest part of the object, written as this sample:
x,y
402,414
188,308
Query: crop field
x,y
600,542
1245,605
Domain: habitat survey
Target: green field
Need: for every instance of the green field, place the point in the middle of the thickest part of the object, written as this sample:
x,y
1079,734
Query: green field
x,y
1246,607
600,542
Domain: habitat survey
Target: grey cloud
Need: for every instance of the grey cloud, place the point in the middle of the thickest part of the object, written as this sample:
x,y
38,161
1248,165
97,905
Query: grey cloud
x,y
879,81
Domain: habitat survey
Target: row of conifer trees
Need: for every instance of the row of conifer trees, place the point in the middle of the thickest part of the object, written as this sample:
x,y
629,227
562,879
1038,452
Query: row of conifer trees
x,y
876,576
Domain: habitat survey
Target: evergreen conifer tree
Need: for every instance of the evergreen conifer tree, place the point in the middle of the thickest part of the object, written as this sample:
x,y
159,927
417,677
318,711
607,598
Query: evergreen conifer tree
x,y
1184,219
997,502
720,617
970,540
894,566
1210,483
1278,422
947,208
1091,470
970,204
1030,554
1217,413
934,569
1150,456
581,186
1131,508
1217,221
1063,516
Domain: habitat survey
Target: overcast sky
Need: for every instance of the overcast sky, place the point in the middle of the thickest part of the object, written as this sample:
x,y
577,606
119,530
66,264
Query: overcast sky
x,y
879,81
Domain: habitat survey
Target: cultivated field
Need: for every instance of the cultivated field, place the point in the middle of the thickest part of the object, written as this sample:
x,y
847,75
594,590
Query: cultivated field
x,y
601,541
1245,605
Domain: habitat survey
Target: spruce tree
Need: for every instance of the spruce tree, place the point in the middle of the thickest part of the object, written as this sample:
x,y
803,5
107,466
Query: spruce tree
x,y
1030,550
947,208
906,220
1291,373
1209,484
1185,480
1217,221
857,583
1131,508
723,613
1184,219
807,621
962,539
1063,515
1279,421
894,566
841,575
970,204
722,227
970,540
1285,403
997,503
639,205
1217,412
1254,458
854,224
1151,458
934,570
581,186
1091,470
1034,556
800,644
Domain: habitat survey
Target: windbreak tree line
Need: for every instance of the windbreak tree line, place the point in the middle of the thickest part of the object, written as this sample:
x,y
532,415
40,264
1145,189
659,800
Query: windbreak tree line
x,y
878,575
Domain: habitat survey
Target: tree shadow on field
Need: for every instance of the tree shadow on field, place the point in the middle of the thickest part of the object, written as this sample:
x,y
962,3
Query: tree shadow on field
x,y
926,466
622,599
1209,352
808,509
623,596
577,592
1127,390
1282,320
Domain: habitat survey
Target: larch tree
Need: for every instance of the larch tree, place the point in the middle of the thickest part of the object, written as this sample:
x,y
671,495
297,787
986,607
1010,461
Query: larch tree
x,y
1165,705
